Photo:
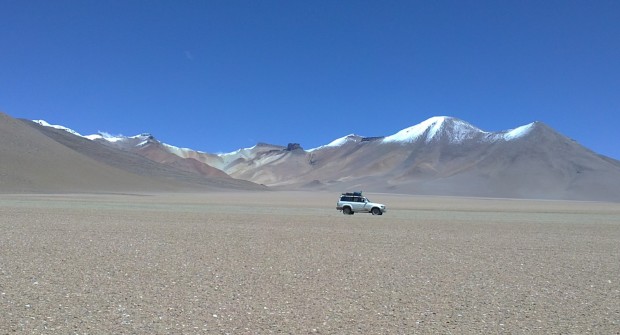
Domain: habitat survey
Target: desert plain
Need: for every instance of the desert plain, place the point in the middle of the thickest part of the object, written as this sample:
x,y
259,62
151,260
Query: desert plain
x,y
289,263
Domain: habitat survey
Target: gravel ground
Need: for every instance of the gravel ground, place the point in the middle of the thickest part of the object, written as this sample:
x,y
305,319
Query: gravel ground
x,y
286,262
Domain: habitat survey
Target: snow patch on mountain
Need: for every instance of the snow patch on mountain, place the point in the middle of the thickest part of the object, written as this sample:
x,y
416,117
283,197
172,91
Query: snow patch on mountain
x,y
102,135
229,157
141,139
244,152
46,124
517,132
181,152
105,136
412,133
337,142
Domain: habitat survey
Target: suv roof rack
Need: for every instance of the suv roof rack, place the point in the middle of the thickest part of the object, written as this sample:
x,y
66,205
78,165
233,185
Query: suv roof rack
x,y
357,194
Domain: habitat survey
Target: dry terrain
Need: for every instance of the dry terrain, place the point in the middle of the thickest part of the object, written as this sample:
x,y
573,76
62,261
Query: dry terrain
x,y
286,262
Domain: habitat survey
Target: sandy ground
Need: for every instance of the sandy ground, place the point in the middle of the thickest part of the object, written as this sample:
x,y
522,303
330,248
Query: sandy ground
x,y
286,262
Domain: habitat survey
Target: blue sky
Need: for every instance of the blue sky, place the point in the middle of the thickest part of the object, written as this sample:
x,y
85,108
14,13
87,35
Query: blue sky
x,y
221,75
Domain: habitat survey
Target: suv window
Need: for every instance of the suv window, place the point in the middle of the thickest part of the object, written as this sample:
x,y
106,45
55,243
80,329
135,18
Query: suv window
x,y
352,199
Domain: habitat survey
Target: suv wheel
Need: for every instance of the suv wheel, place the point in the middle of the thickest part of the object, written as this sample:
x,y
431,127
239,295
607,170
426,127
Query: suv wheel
x,y
376,211
347,211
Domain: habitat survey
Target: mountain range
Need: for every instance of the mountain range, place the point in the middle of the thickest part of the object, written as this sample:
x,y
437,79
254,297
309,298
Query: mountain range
x,y
40,159
439,156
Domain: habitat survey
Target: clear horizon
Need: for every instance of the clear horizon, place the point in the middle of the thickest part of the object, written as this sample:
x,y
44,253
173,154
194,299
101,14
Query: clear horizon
x,y
220,76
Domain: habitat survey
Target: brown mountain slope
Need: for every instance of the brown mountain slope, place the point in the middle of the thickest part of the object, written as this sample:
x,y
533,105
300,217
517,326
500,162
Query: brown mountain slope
x,y
155,151
147,146
32,162
35,159
142,166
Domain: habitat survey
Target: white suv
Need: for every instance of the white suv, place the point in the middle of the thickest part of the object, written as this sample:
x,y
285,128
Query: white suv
x,y
353,202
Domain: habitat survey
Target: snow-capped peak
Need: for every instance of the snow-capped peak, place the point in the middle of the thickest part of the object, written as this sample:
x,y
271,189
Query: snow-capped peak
x,y
46,124
143,138
101,135
456,129
338,142
518,132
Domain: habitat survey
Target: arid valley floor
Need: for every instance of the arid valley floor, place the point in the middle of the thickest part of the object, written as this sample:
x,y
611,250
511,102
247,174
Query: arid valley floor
x,y
288,262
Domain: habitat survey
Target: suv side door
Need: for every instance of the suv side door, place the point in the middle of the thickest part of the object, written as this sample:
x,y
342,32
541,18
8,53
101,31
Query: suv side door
x,y
365,208
358,204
